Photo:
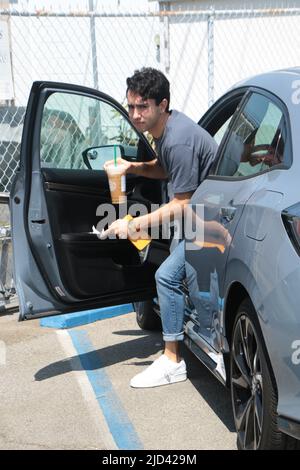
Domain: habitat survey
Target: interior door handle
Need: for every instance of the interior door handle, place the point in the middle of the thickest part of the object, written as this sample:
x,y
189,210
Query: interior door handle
x,y
130,192
227,213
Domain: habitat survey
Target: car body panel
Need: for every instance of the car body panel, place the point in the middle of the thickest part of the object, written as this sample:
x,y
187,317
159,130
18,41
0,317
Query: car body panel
x,y
261,259
272,292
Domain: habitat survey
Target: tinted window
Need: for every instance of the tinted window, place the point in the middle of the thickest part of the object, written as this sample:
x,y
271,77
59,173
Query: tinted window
x,y
218,136
256,142
73,123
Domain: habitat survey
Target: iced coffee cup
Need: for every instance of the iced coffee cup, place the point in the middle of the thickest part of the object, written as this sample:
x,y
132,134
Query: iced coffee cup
x,y
117,183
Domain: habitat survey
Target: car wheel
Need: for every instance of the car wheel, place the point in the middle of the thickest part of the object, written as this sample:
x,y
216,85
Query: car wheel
x,y
146,317
253,394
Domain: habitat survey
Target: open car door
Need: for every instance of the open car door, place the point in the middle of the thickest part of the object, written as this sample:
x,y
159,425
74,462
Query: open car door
x,y
61,190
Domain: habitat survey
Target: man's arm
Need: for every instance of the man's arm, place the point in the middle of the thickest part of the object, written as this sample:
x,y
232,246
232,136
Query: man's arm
x,y
170,211
150,169
166,213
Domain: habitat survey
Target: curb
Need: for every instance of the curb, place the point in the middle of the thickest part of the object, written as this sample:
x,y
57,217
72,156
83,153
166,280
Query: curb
x,y
70,320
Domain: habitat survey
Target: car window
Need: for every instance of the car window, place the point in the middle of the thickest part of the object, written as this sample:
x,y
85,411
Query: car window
x,y
73,124
256,142
218,136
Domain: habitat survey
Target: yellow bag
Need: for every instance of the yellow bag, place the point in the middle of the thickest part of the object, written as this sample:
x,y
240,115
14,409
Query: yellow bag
x,y
139,244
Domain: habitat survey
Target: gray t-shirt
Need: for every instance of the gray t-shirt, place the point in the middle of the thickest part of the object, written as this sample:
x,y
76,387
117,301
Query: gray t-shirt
x,y
186,152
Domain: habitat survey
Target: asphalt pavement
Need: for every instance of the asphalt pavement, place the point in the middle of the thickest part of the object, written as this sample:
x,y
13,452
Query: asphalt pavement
x,y
69,389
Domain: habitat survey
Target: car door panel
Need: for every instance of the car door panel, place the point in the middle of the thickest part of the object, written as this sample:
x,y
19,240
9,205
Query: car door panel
x,y
83,259
206,265
70,265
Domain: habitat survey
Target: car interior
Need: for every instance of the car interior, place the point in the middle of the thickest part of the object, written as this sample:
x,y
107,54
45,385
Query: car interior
x,y
75,186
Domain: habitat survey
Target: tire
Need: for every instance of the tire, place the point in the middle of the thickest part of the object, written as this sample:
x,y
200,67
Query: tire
x,y
253,390
146,317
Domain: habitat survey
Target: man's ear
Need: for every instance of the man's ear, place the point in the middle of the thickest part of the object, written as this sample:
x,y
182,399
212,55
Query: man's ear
x,y
163,105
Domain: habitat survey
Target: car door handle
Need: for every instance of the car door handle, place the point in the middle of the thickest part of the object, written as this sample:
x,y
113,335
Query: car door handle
x,y
227,213
41,221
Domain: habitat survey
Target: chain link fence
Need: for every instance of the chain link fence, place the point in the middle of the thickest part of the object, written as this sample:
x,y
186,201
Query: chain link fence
x,y
203,47
203,52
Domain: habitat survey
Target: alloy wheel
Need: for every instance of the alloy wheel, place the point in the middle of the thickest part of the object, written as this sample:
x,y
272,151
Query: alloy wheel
x,y
246,384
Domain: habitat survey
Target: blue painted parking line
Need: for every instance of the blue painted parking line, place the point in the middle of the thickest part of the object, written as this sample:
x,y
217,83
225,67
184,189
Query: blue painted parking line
x,y
70,320
116,417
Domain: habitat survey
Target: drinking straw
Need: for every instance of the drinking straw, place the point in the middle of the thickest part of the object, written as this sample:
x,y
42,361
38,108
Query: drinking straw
x,y
115,155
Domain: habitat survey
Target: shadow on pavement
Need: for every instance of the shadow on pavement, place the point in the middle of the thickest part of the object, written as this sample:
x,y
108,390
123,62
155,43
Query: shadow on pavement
x,y
140,348
213,392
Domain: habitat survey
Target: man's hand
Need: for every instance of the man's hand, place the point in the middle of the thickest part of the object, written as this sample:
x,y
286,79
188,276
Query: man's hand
x,y
123,228
120,161
118,228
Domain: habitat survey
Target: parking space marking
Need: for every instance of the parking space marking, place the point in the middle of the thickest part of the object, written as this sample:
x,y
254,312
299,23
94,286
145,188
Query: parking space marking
x,y
120,427
86,390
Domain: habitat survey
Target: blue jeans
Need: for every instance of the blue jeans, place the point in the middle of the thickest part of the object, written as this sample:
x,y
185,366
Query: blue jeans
x,y
169,277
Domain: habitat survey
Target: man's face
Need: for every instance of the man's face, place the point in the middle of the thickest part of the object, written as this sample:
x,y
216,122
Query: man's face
x,y
144,114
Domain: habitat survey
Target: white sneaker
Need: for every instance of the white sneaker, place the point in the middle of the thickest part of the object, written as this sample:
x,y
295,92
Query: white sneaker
x,y
163,371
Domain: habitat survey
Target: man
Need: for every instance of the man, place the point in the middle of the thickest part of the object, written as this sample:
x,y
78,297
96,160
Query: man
x,y
185,153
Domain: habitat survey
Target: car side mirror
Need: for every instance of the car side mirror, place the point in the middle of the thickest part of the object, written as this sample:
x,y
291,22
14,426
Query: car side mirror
x,y
95,157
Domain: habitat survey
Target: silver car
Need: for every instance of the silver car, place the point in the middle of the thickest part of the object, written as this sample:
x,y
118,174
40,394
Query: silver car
x,y
242,306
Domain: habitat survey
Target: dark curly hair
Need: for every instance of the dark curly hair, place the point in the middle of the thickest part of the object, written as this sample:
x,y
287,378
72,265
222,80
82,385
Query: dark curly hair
x,y
150,83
